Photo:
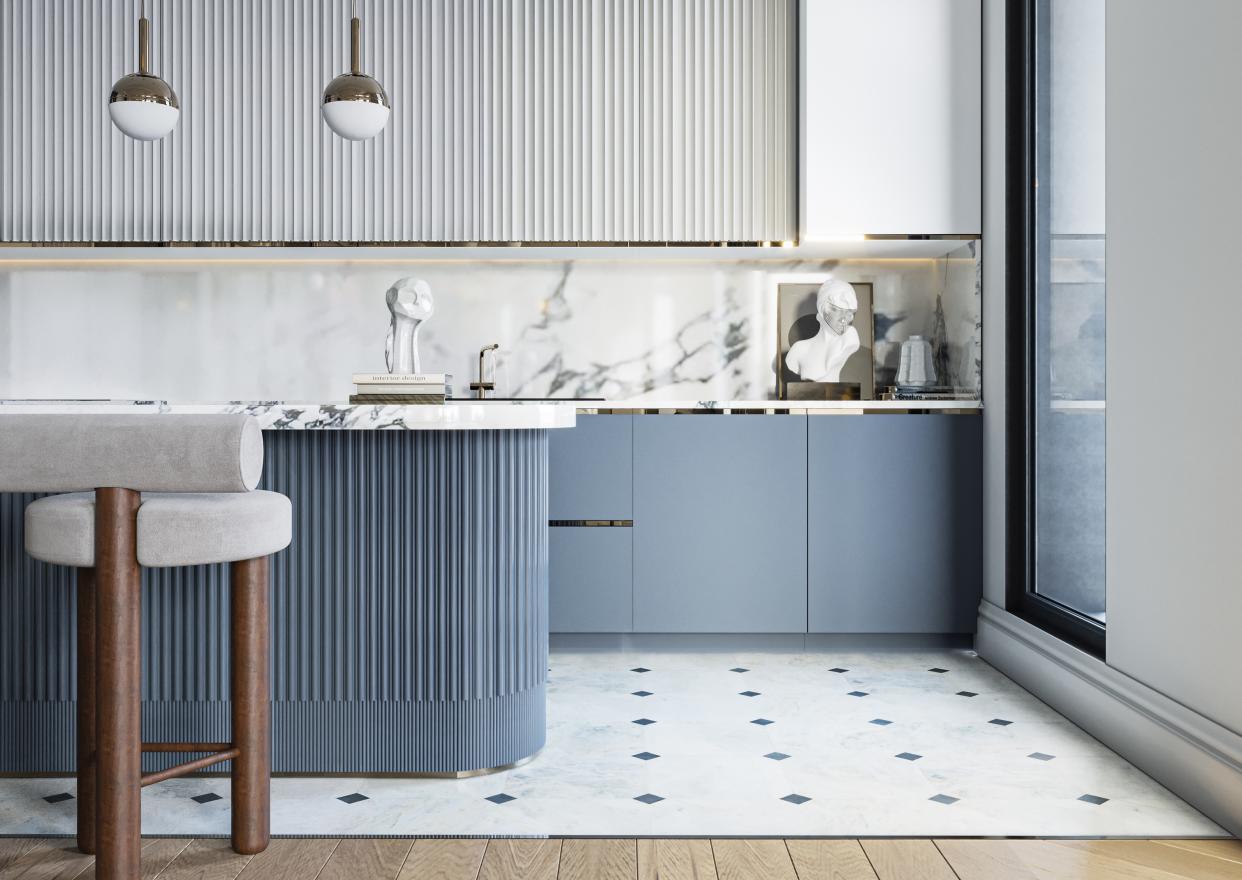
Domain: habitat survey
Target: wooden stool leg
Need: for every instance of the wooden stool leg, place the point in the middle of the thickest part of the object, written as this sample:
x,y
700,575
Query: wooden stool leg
x,y
86,710
118,724
252,713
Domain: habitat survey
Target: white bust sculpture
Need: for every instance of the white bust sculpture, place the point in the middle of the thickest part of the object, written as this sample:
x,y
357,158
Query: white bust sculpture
x,y
820,358
410,302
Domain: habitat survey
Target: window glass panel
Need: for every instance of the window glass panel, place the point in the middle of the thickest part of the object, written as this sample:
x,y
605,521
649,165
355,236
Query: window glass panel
x,y
1069,325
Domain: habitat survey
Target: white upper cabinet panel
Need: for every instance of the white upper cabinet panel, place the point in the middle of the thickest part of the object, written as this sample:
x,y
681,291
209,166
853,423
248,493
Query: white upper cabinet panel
x,y
891,97
512,120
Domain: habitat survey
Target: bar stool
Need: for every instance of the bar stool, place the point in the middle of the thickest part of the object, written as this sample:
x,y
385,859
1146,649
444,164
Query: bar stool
x,y
152,491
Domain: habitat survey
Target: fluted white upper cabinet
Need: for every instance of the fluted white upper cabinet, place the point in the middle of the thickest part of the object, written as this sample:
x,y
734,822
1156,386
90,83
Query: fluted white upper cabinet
x,y
891,112
512,120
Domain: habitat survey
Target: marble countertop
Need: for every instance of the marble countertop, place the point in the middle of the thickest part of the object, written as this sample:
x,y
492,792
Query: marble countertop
x,y
469,414
287,415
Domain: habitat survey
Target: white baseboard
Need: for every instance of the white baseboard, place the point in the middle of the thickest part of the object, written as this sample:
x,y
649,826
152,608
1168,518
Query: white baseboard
x,y
1191,755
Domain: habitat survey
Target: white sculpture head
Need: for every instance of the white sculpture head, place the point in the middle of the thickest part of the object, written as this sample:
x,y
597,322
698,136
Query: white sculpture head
x,y
836,304
411,298
410,303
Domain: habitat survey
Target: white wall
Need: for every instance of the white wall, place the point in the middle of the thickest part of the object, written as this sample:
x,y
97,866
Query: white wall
x,y
1174,421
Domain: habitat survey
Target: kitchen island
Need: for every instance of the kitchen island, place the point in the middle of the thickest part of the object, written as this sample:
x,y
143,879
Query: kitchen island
x,y
409,615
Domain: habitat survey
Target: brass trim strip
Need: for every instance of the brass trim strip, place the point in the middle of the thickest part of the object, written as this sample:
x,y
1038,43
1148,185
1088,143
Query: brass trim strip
x,y
862,410
591,523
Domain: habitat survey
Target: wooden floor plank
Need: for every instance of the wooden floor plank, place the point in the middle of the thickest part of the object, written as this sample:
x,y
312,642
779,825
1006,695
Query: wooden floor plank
x,y
11,848
907,860
521,860
444,860
599,859
1153,856
985,860
52,858
157,854
366,859
206,860
753,860
830,860
1222,849
676,860
1050,860
290,859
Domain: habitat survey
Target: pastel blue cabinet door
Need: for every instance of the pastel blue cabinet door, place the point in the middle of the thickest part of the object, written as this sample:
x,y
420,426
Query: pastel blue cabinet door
x,y
895,523
719,523
590,583
590,469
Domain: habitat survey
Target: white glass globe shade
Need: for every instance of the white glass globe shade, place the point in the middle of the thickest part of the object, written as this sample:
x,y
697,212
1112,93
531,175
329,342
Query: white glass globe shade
x,y
143,120
355,120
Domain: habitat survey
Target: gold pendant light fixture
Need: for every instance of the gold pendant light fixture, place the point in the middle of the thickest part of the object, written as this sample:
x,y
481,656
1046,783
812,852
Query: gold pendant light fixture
x,y
142,105
355,105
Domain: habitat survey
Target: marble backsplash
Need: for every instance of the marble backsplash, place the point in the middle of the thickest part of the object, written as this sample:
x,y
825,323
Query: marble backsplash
x,y
584,326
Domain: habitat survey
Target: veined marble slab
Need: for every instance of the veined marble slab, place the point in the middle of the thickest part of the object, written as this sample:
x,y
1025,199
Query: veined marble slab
x,y
463,414
278,415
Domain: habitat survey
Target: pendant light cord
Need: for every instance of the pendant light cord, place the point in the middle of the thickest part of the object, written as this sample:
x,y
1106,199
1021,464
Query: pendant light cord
x,y
355,41
144,36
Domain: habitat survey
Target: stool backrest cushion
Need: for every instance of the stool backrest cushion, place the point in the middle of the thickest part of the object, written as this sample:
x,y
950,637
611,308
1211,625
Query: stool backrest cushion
x,y
147,452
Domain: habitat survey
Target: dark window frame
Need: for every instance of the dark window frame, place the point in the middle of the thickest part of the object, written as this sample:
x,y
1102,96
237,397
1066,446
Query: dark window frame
x,y
1023,213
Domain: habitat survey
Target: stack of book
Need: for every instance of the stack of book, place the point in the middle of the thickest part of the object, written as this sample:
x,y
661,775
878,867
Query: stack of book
x,y
395,389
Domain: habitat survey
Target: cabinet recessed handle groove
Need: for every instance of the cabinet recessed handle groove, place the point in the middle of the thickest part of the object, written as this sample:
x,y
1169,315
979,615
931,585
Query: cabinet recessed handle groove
x,y
592,523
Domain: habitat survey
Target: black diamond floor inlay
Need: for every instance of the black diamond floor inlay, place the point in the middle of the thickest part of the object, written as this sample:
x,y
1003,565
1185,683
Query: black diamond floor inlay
x,y
206,798
859,694
1041,756
640,669
967,694
881,722
838,669
1000,722
649,798
909,756
762,722
749,694
501,798
739,669
642,693
937,669
777,756
646,756
796,798
1094,799
353,798
57,798
643,721
944,799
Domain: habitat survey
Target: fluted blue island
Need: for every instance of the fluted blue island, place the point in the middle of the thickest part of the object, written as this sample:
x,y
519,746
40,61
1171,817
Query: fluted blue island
x,y
409,616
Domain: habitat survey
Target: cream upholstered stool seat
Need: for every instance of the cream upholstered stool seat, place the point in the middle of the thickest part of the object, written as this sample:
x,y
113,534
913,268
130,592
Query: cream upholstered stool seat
x,y
174,528
152,491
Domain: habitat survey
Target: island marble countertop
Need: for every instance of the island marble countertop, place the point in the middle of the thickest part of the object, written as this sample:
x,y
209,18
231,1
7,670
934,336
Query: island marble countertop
x,y
464,414
281,415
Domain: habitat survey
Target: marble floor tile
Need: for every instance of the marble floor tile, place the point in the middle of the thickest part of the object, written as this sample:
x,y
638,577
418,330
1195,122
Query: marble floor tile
x,y
941,766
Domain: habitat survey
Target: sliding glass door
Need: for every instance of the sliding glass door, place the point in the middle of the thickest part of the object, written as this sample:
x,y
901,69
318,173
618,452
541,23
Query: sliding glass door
x,y
1057,320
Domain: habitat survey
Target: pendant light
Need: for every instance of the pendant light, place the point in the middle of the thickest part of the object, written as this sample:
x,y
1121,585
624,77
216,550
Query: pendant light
x,y
355,106
142,105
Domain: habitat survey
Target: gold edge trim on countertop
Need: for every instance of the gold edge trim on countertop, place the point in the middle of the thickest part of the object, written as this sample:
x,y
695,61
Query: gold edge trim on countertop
x,y
781,411
482,243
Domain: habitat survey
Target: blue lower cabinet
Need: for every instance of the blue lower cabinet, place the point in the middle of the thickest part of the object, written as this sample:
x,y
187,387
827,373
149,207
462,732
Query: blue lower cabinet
x,y
589,473
590,579
895,523
720,523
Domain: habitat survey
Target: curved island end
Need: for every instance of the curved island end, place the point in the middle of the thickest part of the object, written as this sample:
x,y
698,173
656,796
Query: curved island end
x,y
409,616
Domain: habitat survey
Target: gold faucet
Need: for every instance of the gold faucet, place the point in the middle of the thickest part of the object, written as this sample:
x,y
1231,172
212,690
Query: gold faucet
x,y
481,387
